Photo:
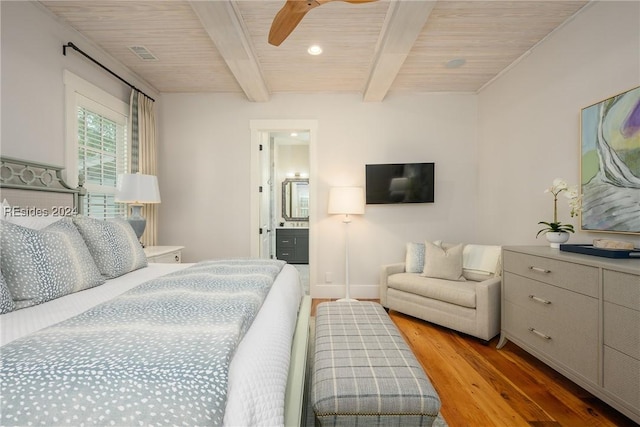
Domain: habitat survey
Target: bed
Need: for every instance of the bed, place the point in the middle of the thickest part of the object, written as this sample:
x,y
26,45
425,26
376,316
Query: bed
x,y
216,342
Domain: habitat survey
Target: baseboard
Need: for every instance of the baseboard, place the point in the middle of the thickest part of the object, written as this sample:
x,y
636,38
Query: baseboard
x,y
331,291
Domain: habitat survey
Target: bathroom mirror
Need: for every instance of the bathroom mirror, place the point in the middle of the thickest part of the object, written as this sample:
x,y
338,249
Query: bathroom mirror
x,y
295,199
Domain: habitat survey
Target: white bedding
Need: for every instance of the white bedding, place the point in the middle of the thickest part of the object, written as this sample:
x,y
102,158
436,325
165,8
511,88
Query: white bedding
x,y
259,369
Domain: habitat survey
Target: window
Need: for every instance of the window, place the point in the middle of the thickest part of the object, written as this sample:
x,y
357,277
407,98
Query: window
x,y
101,157
97,145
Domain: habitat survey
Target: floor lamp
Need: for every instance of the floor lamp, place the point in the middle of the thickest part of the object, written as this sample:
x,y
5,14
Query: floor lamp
x,y
346,201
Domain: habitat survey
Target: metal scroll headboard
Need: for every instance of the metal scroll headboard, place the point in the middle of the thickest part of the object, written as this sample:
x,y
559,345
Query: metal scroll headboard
x,y
39,185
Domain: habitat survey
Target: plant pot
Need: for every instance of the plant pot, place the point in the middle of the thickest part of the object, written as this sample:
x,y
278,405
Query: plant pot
x,y
555,239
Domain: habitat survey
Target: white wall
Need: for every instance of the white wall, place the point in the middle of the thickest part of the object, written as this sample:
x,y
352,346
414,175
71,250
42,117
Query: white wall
x,y
529,121
495,153
32,87
205,174
493,159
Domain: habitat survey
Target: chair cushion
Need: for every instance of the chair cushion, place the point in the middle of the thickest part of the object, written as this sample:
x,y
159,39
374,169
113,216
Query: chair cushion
x,y
451,291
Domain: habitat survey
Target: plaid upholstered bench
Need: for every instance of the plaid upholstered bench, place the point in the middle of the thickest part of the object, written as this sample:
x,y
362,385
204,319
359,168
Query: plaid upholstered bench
x,y
363,371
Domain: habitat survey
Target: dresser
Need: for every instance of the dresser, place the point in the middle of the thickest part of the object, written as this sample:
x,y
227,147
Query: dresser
x,y
292,245
579,314
164,254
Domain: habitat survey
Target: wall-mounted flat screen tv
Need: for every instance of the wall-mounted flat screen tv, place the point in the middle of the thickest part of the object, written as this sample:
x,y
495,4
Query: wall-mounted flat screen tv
x,y
400,183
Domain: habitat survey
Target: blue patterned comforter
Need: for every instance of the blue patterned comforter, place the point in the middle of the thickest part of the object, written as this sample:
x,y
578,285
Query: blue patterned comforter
x,y
156,355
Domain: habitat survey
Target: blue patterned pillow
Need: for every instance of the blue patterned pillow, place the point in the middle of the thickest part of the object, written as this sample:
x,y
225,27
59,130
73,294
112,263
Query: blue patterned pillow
x,y
6,302
41,265
113,245
414,262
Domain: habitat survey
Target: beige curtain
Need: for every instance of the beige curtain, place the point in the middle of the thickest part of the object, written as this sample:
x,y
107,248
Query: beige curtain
x,y
144,155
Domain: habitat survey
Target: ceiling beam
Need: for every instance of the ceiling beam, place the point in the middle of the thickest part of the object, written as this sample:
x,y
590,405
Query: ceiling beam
x,y
402,25
224,24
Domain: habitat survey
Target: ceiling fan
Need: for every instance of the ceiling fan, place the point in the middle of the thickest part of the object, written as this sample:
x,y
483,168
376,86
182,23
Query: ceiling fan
x,y
291,14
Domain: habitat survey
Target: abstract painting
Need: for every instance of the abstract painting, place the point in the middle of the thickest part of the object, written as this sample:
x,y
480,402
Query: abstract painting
x,y
610,164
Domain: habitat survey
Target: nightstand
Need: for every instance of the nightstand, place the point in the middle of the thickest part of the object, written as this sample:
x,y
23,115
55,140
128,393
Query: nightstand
x,y
164,254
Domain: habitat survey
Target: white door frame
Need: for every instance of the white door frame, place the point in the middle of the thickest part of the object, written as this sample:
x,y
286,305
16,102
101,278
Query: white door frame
x,y
267,229
258,126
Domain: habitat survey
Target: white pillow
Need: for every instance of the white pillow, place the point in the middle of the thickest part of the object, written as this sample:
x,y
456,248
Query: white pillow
x,y
443,263
481,259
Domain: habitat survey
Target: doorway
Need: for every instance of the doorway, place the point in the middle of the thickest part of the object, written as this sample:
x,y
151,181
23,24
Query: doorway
x,y
283,195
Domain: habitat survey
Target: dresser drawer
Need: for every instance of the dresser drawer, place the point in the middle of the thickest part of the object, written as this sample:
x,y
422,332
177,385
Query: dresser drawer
x,y
621,377
285,245
564,307
164,254
575,277
622,329
286,242
573,344
285,254
291,233
172,257
622,288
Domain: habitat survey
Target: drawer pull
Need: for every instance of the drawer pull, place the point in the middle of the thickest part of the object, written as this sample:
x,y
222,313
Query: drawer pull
x,y
539,270
284,241
540,334
537,299
177,258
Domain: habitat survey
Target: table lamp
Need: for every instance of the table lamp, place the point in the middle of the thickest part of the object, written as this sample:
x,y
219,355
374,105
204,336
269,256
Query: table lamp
x,y
136,190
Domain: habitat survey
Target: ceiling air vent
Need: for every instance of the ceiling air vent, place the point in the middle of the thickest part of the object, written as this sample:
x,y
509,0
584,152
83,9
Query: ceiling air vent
x,y
143,53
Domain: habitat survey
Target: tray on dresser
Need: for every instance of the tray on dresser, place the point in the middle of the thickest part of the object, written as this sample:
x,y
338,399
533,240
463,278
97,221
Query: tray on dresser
x,y
608,253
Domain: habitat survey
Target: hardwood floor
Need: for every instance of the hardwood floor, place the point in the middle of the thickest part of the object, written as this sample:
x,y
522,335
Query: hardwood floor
x,y
480,386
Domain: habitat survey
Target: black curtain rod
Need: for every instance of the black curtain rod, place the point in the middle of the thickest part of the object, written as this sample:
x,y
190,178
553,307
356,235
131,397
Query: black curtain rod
x,y
77,49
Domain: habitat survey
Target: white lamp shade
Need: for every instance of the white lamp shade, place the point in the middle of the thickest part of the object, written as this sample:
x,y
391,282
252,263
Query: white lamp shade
x,y
346,200
137,188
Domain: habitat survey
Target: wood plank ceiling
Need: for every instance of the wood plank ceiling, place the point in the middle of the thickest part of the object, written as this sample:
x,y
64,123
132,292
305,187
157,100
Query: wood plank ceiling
x,y
370,48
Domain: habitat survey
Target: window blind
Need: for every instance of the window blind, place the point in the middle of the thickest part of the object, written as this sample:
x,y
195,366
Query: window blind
x,y
102,155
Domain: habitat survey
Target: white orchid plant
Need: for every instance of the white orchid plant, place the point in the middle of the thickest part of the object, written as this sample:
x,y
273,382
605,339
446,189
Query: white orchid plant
x,y
575,203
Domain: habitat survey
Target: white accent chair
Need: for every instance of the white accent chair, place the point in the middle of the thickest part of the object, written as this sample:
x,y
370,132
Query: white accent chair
x,y
470,305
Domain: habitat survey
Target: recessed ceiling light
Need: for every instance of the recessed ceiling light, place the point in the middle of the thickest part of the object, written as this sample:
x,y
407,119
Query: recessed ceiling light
x,y
456,63
314,50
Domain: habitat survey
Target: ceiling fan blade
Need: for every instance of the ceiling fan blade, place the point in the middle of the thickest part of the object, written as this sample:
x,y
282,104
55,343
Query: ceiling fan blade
x,y
291,14
288,19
